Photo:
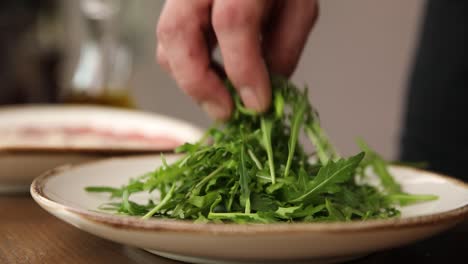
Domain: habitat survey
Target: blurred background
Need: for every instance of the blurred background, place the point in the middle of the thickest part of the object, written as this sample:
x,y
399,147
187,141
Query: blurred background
x,y
356,62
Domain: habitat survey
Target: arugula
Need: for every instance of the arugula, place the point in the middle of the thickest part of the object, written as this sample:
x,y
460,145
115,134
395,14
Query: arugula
x,y
255,169
379,165
297,120
332,173
244,181
266,127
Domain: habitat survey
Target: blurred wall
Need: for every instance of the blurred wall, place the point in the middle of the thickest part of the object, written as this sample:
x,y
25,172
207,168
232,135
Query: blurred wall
x,y
356,64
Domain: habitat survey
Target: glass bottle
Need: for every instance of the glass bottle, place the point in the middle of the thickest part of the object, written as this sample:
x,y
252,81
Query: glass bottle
x,y
104,68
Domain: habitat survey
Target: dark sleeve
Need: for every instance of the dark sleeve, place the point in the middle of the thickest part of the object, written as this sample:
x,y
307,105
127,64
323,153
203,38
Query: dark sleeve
x,y
436,117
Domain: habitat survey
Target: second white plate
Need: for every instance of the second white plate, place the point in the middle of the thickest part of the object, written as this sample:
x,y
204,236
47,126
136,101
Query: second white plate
x,y
35,138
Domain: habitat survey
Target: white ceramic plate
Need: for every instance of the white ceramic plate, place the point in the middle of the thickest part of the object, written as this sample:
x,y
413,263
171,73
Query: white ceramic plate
x,y
61,193
35,138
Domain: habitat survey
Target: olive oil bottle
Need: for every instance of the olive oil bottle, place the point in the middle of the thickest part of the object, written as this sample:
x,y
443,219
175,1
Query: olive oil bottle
x,y
103,72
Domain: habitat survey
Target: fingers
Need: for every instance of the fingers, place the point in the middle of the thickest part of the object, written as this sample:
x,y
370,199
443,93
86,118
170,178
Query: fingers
x,y
183,51
162,60
290,26
237,24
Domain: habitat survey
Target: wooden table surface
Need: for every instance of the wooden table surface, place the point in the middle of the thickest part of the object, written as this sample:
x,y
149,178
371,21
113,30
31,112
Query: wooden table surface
x,y
28,234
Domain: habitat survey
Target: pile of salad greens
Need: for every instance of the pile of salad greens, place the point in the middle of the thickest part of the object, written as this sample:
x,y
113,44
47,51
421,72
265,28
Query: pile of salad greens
x,y
254,169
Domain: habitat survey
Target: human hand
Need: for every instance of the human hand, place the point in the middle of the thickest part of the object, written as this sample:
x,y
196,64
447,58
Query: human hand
x,y
253,35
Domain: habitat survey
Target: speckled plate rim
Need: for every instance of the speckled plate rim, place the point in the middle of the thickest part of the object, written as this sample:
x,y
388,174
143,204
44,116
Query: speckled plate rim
x,y
176,226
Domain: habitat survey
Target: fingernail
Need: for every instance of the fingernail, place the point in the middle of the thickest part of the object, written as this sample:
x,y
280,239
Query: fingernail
x,y
214,110
250,99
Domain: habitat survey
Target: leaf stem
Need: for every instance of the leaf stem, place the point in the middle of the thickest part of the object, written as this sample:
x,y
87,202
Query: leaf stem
x,y
324,149
244,180
207,178
255,159
295,128
161,204
266,126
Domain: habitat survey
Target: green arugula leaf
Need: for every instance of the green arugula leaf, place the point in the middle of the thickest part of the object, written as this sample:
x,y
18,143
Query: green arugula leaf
x,y
244,181
286,212
407,199
316,135
164,201
266,127
298,117
263,203
380,168
332,173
